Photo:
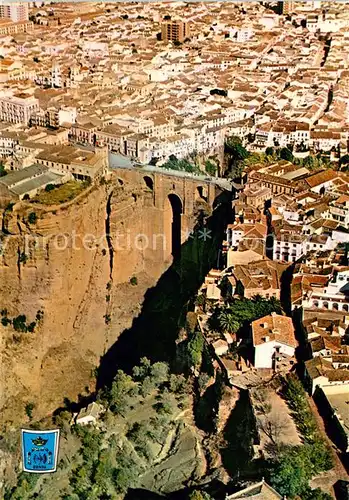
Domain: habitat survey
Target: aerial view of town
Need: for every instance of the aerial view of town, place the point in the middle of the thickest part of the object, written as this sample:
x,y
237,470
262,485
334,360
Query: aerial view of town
x,y
174,250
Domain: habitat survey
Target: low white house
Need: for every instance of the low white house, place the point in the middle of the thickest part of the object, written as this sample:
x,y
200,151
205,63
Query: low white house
x,y
320,373
273,340
89,415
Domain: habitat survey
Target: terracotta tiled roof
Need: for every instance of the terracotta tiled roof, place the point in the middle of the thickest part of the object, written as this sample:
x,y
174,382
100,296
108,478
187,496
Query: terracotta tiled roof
x,y
274,328
321,177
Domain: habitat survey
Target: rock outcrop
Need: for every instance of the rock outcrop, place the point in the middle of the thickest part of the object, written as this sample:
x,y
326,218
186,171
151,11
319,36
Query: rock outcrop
x,y
74,263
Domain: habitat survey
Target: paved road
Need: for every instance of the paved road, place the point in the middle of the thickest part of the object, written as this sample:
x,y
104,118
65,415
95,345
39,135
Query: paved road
x,y
118,161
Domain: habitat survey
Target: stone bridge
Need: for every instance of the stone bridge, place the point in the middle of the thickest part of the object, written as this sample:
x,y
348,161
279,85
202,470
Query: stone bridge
x,y
170,202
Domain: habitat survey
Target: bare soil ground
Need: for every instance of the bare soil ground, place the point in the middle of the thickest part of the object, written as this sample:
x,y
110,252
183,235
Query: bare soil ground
x,y
275,423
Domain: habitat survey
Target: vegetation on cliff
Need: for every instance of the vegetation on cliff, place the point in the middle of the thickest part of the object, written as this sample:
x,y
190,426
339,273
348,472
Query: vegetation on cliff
x,y
237,314
56,195
144,424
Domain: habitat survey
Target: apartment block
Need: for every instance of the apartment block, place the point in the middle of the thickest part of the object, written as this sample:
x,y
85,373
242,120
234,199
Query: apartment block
x,y
16,11
18,108
175,31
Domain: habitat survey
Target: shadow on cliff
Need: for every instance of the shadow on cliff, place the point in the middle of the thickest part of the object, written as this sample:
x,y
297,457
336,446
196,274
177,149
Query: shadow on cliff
x,y
154,332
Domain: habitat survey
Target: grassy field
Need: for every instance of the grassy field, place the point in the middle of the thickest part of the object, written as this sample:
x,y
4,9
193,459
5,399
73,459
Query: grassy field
x,y
60,194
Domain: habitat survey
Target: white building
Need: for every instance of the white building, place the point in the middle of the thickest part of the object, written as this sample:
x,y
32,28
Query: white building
x,y
288,247
16,11
320,373
332,296
89,415
273,340
18,108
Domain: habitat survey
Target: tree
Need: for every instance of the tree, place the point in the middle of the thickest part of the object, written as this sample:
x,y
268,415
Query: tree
x,y
119,395
49,187
228,323
2,170
269,151
309,161
244,311
29,407
159,372
32,218
140,435
286,154
274,426
124,478
235,149
5,321
316,494
178,383
236,154
195,349
147,387
210,167
165,406
291,475
203,380
19,323
80,481
141,371
191,321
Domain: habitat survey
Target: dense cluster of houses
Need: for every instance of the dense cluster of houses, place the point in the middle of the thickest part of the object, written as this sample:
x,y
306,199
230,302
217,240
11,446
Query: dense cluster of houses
x,y
102,77
290,242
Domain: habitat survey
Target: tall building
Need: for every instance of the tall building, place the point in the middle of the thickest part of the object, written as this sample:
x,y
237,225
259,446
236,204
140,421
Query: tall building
x,y
18,108
175,31
286,6
16,11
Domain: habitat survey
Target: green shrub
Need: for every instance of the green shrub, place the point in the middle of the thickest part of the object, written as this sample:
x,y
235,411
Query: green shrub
x,y
29,407
19,323
134,281
5,321
23,258
32,218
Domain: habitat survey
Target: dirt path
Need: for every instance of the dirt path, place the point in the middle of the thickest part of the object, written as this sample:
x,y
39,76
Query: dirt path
x,y
327,480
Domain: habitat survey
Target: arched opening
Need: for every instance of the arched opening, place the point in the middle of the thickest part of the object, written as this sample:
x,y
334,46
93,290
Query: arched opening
x,y
149,182
176,225
335,306
345,307
325,305
202,193
316,303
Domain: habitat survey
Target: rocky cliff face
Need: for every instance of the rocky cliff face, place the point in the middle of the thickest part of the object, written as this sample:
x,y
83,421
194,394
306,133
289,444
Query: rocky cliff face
x,y
64,264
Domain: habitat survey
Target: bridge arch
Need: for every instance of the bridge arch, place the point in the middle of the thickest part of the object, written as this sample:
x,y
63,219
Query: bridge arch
x,y
201,193
173,224
149,182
